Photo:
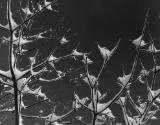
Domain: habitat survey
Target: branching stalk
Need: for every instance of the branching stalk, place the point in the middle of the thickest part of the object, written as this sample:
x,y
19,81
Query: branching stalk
x,y
10,58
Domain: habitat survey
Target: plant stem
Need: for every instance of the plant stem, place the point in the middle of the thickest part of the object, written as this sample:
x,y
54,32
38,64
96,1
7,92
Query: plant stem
x,y
10,58
38,12
94,119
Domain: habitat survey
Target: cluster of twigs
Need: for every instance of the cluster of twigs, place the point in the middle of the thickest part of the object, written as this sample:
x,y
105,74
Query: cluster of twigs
x,y
16,82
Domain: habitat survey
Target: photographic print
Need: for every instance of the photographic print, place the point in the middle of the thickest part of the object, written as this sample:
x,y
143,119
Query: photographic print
x,y
79,62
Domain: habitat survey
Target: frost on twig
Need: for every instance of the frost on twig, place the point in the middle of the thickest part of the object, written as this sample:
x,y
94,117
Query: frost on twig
x,y
106,53
139,42
124,79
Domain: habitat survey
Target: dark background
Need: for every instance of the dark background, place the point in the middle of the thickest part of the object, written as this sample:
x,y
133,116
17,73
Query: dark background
x,y
102,21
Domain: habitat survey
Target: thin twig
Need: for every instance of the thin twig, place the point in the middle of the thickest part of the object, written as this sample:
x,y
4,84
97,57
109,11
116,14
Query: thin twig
x,y
154,60
31,17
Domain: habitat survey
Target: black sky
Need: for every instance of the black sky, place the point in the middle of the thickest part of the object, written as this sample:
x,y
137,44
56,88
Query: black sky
x,y
103,19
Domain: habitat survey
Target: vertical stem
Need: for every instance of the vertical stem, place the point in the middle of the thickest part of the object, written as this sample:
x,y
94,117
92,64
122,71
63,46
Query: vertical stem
x,y
14,81
10,58
155,63
125,115
148,106
94,99
94,119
